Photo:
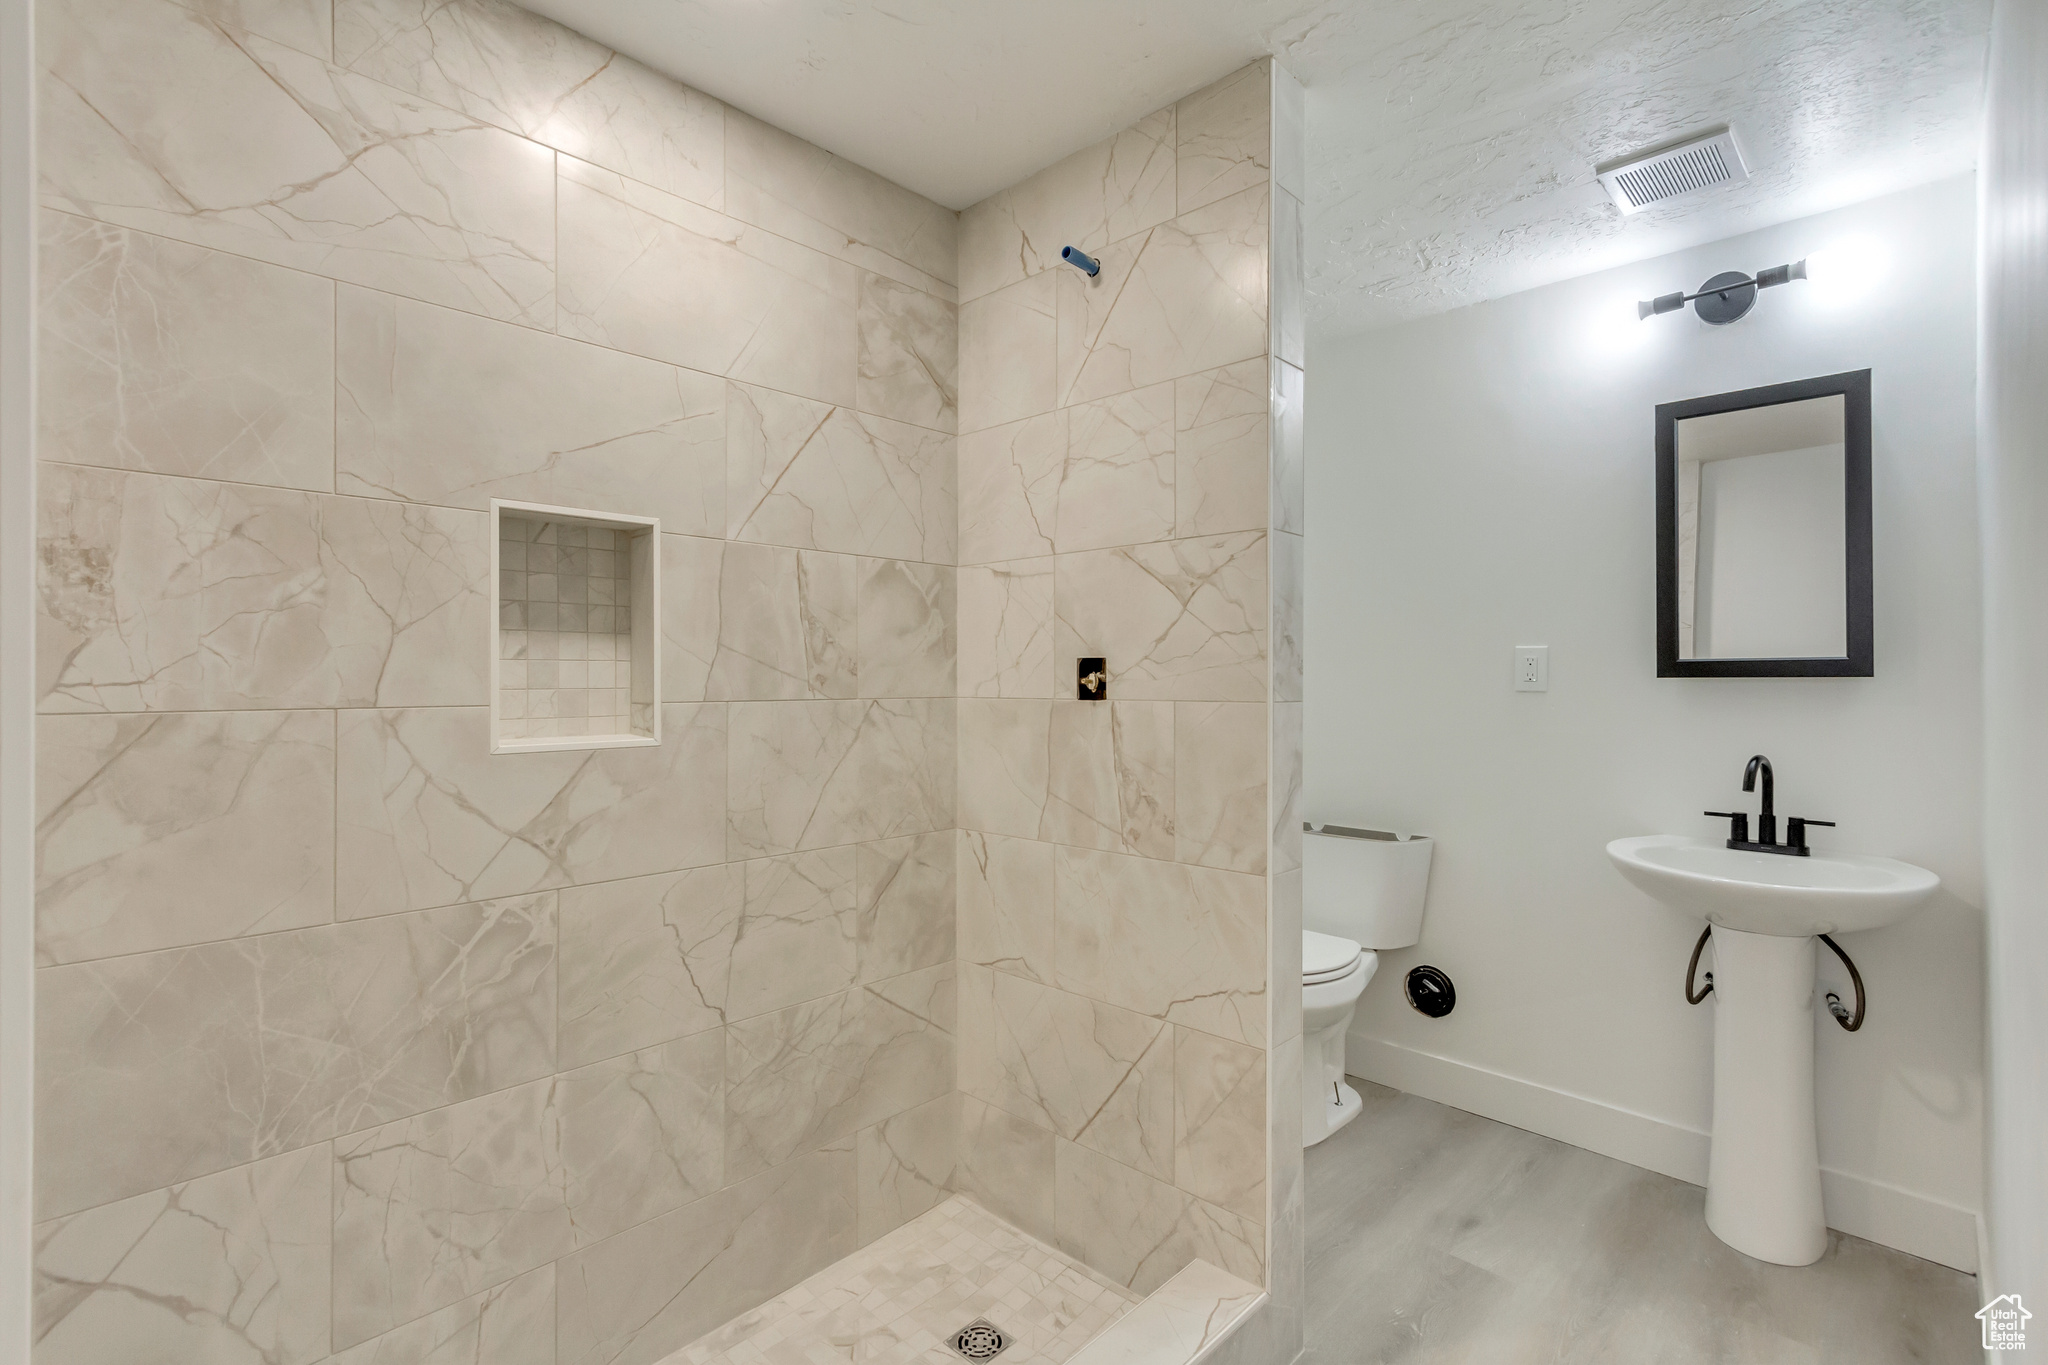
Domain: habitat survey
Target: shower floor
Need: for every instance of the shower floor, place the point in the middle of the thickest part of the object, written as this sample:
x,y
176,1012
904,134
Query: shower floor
x,y
900,1298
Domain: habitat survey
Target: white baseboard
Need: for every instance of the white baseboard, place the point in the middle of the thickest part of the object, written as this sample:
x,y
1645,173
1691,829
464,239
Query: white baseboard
x,y
1862,1207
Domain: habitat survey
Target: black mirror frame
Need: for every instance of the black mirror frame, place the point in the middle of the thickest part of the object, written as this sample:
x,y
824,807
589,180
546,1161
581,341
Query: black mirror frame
x,y
1854,387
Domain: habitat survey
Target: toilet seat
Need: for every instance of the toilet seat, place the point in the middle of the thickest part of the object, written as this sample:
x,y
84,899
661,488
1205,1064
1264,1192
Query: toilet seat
x,y
1326,957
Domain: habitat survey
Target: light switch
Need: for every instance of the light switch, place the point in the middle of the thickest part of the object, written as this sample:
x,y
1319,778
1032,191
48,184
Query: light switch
x,y
1532,668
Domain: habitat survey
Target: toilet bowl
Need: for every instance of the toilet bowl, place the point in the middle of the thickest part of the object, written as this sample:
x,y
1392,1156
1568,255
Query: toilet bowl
x,y
1334,973
1362,894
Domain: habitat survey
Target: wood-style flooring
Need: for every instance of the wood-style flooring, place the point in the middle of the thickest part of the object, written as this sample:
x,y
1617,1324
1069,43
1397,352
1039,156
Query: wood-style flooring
x,y
1436,1237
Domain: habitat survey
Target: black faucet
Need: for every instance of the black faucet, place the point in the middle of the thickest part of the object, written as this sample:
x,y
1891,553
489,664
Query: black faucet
x,y
1767,818
1766,840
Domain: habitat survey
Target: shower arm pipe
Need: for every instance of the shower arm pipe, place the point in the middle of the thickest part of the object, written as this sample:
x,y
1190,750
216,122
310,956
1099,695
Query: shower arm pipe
x,y
1081,261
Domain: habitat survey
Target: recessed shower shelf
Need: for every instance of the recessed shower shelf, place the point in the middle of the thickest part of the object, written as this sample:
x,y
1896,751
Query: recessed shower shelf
x,y
575,642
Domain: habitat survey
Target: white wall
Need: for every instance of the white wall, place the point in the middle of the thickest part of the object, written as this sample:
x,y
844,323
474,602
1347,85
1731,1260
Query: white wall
x,y
2014,465
1483,479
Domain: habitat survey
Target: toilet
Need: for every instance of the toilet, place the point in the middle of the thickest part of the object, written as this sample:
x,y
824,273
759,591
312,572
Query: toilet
x,y
1361,894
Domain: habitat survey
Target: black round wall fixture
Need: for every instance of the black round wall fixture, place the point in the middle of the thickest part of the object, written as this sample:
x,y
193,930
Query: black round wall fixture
x,y
1431,992
1734,295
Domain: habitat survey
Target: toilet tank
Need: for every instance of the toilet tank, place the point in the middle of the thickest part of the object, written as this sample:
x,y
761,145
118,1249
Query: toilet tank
x,y
1364,884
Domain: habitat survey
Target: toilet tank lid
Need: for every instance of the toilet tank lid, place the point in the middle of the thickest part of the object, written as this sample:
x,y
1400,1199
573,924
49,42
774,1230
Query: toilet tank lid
x,y
1325,953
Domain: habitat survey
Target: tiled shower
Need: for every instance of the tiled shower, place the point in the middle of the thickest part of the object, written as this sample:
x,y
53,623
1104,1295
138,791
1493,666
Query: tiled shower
x,y
377,1022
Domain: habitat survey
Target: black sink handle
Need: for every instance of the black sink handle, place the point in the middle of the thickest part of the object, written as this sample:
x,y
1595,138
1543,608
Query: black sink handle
x,y
1795,830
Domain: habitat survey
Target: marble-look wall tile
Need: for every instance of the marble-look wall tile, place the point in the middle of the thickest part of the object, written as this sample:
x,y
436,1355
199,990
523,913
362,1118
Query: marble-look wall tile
x,y
1219,1122
1089,1072
1100,194
1112,781
178,594
641,1134
1284,778
1225,131
1010,489
157,356
1140,1231
931,995
646,959
906,896
1007,1164
427,816
508,1324
162,1066
801,473
154,117
787,185
1219,775
909,634
909,354
418,579
691,585
904,1165
906,770
436,406
1114,911
1187,296
786,624
1220,461
813,774
1118,484
782,792
1284,954
822,1070
435,1208
1006,627
307,25
529,75
1289,395
659,276
228,1267
159,831
798,933
1182,619
1009,353
1006,904
1288,568
1290,286
635,1298
1005,750
1286,1196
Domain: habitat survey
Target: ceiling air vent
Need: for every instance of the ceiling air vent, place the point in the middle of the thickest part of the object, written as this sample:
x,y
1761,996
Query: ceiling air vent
x,y
1639,181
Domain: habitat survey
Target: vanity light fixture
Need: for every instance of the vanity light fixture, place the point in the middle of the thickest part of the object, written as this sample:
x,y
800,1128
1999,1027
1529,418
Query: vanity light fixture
x,y
1726,297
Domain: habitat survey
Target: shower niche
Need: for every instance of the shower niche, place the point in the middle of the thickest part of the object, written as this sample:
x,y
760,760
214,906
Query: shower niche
x,y
576,640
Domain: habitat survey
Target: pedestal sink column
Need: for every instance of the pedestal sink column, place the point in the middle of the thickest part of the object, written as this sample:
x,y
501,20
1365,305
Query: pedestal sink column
x,y
1763,1177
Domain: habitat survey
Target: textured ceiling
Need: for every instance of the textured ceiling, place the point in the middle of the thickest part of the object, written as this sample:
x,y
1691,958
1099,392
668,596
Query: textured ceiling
x,y
1451,147
1451,142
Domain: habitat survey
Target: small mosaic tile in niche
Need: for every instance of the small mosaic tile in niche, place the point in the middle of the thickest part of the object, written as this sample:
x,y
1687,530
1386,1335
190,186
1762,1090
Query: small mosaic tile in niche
x,y
568,608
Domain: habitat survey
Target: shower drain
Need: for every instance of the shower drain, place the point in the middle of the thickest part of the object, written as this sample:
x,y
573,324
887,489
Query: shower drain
x,y
980,1340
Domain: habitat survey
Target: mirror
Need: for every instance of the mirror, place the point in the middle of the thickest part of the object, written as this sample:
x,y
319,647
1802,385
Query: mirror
x,y
1763,532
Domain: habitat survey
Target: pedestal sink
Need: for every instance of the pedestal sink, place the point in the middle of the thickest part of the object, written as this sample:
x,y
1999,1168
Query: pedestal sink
x,y
1763,1176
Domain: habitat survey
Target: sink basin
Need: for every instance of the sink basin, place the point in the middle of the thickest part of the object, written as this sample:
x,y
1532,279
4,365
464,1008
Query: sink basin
x,y
1771,893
